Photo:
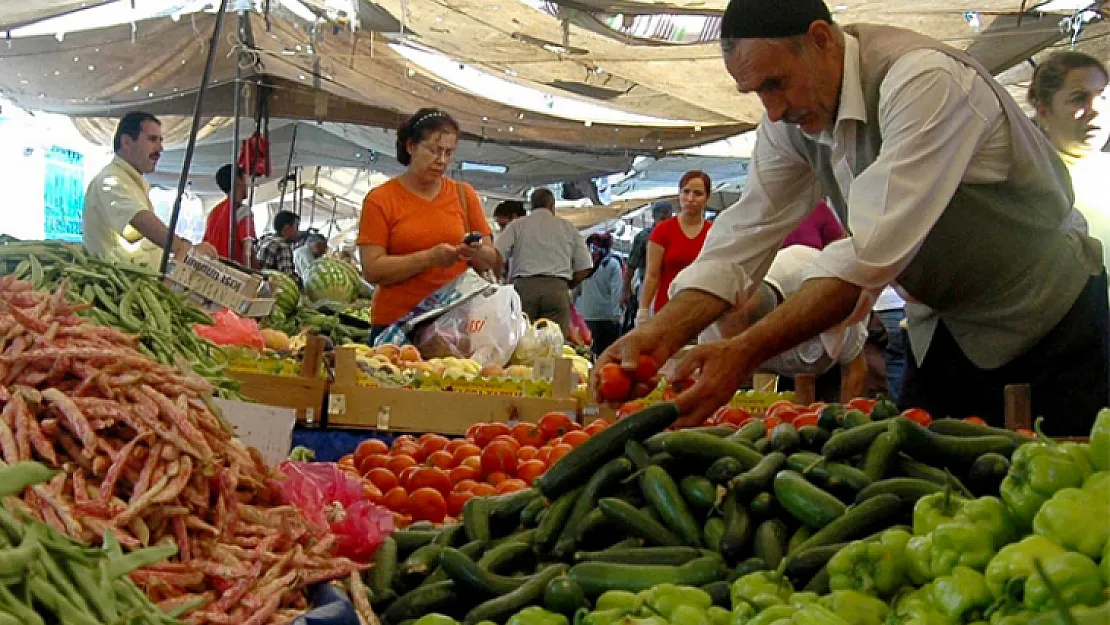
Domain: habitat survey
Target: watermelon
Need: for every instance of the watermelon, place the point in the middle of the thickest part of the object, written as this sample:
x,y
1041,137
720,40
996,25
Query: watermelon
x,y
285,290
331,279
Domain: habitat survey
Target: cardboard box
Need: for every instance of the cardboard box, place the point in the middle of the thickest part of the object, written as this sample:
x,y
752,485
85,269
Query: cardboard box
x,y
305,393
214,281
266,428
354,405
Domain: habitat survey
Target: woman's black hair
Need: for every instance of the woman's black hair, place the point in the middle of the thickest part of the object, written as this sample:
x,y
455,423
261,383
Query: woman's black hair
x,y
425,122
1051,73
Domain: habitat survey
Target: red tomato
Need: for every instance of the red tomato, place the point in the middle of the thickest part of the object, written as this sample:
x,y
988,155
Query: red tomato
x,y
511,486
807,419
490,431
771,422
918,416
465,451
645,369
348,460
507,440
373,462
526,453
601,421
631,407
498,456
370,447
784,411
529,470
544,454
432,442
431,477
815,406
976,420
863,404
731,415
383,478
427,504
455,502
442,459
474,462
464,486
613,383
529,434
575,439
455,443
405,476
497,477
483,490
396,499
372,493
400,462
1027,433
594,428
554,424
460,474
472,432
406,449
557,452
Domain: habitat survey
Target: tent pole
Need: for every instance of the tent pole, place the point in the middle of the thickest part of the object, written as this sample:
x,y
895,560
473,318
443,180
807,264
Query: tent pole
x,y
234,212
288,165
191,146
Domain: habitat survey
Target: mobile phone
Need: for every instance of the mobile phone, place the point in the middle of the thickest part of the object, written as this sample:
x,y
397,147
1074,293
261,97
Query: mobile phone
x,y
473,238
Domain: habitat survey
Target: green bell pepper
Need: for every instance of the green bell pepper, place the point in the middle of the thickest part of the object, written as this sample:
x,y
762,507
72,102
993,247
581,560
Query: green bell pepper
x,y
718,615
1098,485
642,620
914,608
1038,470
773,614
856,607
1073,574
992,517
618,600
919,560
817,614
435,618
802,599
663,599
1082,615
932,510
760,590
1021,617
1104,564
611,616
948,546
1007,571
1070,520
877,567
535,615
962,594
688,615
1100,441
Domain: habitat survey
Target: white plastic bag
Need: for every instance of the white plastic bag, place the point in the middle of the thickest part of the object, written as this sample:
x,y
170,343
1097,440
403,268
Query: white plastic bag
x,y
486,328
543,339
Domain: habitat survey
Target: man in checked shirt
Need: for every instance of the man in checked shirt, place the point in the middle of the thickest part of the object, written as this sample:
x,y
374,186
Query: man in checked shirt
x,y
276,251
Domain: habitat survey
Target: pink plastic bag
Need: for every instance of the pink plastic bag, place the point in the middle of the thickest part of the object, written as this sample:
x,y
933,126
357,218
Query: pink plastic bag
x,y
333,498
579,331
231,329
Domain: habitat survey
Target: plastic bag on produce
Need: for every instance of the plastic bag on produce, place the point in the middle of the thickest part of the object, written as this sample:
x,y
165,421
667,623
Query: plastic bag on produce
x,y
331,497
485,328
229,328
445,298
579,331
542,339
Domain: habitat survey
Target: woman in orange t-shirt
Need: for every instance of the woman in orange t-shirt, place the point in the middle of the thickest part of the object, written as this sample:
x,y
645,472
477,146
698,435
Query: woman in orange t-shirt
x,y
412,230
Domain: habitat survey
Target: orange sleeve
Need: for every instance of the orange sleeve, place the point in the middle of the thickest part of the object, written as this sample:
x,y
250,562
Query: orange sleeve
x,y
373,227
478,221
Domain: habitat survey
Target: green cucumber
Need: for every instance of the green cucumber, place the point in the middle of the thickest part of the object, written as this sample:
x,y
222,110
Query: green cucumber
x,y
802,564
511,505
751,565
638,523
859,520
469,576
529,516
723,469
959,427
750,432
884,409
720,592
799,536
986,474
762,505
758,477
877,459
851,442
607,477
594,522
577,466
830,417
712,532
499,609
785,438
599,577
672,556
805,501
855,418
506,557
451,535
771,538
909,467
715,430
948,450
379,580
554,521
419,564
828,474
564,596
710,448
813,437
475,519
908,489
662,493
636,453
699,492
420,601
738,528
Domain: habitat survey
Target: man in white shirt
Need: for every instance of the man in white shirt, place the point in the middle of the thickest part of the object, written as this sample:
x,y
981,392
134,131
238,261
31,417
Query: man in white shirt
x,y
945,187
314,246
815,356
547,257
119,223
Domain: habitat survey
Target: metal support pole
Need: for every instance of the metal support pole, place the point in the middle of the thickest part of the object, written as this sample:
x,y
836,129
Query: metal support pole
x,y
236,97
191,146
288,165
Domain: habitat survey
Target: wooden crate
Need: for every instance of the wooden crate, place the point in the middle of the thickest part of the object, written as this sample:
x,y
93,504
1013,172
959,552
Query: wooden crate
x,y
355,405
305,393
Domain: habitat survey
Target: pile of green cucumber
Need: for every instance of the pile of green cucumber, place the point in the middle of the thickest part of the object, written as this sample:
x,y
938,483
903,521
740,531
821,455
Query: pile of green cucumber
x,y
636,506
126,297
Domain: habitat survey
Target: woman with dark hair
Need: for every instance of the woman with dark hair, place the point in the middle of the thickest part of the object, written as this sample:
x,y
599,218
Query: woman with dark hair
x,y
1068,91
675,242
599,296
412,232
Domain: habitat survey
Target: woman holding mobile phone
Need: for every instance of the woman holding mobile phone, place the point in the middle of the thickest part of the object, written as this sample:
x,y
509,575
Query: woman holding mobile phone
x,y
420,230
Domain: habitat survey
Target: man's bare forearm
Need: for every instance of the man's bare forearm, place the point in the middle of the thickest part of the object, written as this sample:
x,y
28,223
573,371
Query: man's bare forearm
x,y
853,378
820,304
687,314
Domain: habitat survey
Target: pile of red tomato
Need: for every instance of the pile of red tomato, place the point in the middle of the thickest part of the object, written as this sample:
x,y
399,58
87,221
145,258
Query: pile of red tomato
x,y
430,478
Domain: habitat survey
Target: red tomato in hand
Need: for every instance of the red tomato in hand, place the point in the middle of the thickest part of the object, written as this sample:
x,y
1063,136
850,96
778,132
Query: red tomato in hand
x,y
645,369
614,384
918,416
498,457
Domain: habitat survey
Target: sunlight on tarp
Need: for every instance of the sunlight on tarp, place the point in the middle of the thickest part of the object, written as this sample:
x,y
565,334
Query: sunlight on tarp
x,y
510,93
110,15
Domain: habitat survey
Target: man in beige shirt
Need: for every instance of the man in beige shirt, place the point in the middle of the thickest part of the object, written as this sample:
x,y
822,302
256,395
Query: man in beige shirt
x,y
119,223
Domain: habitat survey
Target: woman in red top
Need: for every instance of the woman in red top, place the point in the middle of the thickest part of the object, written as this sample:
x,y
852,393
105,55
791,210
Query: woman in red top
x,y
676,242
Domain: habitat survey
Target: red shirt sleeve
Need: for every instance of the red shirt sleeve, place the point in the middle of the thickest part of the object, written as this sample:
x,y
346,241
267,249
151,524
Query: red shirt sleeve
x,y
661,234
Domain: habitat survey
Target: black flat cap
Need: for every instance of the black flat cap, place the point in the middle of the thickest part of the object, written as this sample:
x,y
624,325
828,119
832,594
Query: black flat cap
x,y
771,19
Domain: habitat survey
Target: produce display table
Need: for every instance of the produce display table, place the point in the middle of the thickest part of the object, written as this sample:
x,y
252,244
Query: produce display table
x,y
355,404
305,393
